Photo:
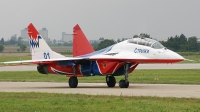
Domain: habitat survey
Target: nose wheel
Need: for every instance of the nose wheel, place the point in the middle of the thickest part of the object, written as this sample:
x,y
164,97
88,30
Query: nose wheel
x,y
125,83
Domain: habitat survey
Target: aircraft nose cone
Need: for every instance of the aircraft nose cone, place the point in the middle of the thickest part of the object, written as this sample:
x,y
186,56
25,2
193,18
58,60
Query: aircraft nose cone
x,y
175,56
178,57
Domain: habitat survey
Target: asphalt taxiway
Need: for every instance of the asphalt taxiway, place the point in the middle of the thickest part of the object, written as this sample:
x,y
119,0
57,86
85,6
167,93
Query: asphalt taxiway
x,y
160,90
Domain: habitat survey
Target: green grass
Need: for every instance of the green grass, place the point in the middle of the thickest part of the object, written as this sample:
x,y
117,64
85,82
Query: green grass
x,y
52,102
190,76
195,56
41,102
14,56
22,56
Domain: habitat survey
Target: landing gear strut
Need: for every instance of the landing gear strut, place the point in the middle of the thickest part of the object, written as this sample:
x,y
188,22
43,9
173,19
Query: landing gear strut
x,y
110,80
73,81
125,83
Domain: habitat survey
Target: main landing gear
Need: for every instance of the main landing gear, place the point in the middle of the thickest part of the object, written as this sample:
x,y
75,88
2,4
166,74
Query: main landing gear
x,y
73,81
110,80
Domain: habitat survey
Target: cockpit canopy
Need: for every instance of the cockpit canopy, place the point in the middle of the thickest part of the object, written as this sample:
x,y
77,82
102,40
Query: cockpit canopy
x,y
147,42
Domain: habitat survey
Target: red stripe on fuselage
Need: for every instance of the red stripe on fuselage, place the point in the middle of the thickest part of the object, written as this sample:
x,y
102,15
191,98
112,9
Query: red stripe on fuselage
x,y
143,60
107,66
67,69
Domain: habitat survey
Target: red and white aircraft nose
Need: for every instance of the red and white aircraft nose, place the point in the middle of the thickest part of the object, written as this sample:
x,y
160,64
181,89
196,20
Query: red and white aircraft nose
x,y
176,56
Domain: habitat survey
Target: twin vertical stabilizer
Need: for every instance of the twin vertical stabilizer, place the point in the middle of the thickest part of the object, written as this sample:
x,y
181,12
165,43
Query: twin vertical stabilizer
x,y
38,47
40,50
81,45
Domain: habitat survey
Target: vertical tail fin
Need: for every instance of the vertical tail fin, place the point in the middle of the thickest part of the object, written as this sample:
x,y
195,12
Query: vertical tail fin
x,y
38,47
81,45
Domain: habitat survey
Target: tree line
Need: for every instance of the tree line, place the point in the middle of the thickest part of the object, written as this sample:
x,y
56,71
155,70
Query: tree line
x,y
182,43
19,42
177,43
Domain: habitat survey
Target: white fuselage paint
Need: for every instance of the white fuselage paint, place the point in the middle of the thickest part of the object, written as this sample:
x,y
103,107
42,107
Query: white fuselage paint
x,y
126,50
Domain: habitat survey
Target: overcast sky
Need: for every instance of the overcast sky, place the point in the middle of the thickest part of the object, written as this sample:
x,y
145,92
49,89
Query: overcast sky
x,y
110,19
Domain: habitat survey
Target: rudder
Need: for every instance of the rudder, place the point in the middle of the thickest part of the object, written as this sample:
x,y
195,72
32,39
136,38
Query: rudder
x,y
81,44
38,47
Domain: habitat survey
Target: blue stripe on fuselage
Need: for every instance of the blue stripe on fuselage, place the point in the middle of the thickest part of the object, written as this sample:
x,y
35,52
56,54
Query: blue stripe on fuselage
x,y
95,68
86,70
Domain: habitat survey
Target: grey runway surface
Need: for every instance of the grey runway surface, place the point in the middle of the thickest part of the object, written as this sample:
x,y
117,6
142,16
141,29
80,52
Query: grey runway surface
x,y
140,66
160,90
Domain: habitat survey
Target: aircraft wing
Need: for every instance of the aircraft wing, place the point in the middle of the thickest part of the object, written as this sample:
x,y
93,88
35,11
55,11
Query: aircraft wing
x,y
44,60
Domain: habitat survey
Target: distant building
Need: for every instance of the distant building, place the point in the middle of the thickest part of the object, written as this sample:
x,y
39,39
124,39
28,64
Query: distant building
x,y
14,37
44,33
66,37
24,34
101,38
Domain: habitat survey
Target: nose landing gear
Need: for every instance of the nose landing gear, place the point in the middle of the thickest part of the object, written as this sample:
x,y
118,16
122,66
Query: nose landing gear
x,y
124,83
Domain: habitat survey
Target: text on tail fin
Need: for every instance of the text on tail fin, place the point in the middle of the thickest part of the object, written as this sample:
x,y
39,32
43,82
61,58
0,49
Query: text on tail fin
x,y
34,36
38,47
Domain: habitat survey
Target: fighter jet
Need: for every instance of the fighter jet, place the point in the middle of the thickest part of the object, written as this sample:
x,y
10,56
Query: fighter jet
x,y
119,59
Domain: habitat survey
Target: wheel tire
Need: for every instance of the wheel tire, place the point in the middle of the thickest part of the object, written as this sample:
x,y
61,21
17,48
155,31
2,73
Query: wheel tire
x,y
111,82
127,84
73,82
122,83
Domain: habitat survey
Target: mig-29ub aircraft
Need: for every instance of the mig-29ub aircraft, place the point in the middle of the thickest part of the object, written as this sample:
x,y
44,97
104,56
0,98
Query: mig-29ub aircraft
x,y
119,59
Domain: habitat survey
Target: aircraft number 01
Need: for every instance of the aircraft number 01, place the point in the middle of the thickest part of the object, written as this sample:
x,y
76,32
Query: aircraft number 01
x,y
46,55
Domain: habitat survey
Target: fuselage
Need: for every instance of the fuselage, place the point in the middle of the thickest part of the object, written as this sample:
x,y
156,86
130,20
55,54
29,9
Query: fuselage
x,y
140,51
110,60
119,59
